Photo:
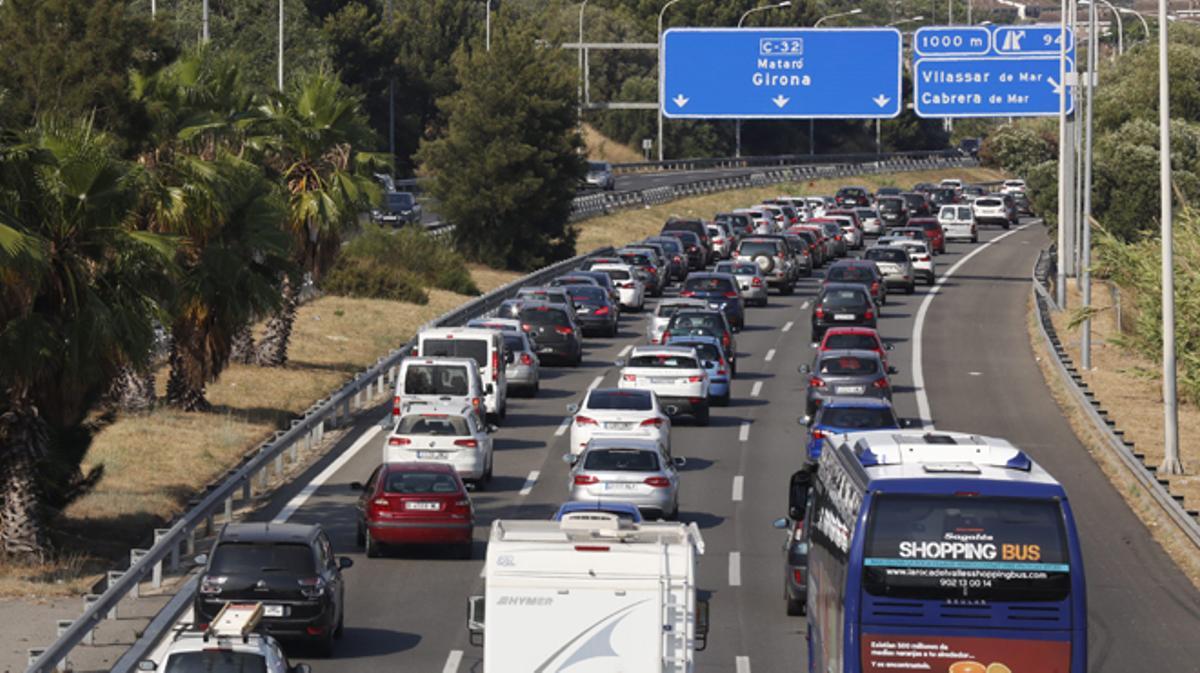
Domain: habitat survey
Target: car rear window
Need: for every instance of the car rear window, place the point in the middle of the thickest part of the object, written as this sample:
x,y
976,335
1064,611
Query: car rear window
x,y
890,205
240,558
989,203
866,213
848,298
886,255
636,259
848,273
848,365
668,310
753,248
206,661
438,425
419,483
621,460
436,380
708,284
706,350
664,361
476,349
850,342
589,293
514,343
630,400
552,296
687,320
544,315
871,418
572,280
616,274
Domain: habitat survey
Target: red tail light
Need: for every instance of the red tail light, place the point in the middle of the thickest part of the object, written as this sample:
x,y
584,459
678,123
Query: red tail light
x,y
757,282
819,434
396,406
312,587
695,379
629,377
875,286
687,293
923,258
658,482
654,270
565,331
656,422
586,480
584,420
798,575
816,382
603,310
461,507
868,315
475,402
495,366
526,359
881,383
678,259
730,295
725,339
399,441
466,443
665,335
526,327
820,313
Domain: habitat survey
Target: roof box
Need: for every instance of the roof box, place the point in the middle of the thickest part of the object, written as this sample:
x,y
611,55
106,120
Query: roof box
x,y
938,451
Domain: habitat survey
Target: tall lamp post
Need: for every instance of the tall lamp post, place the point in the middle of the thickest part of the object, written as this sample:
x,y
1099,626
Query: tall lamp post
x,y
1120,24
1060,280
279,80
487,26
879,122
812,134
1171,463
1145,26
661,12
204,21
737,129
1085,225
582,5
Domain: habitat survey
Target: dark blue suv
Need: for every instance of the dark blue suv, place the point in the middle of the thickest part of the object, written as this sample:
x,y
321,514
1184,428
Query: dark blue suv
x,y
721,292
839,415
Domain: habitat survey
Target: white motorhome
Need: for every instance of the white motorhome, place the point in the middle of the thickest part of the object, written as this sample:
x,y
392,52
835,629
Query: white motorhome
x,y
590,593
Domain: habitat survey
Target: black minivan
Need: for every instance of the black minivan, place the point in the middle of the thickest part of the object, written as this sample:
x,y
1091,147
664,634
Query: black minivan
x,y
554,330
842,305
698,228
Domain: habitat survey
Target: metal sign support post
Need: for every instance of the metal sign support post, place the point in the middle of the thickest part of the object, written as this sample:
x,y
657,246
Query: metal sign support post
x,y
1085,241
1171,463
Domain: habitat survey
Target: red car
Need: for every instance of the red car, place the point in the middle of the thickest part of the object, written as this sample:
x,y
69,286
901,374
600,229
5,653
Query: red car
x,y
933,231
415,503
855,338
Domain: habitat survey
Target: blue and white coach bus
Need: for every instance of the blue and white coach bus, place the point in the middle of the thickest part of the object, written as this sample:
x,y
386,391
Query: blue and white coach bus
x,y
939,552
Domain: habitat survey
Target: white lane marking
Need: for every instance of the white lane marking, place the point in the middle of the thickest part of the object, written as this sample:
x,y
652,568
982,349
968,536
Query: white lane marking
x,y
975,373
311,487
625,350
919,328
453,661
596,382
562,428
738,487
756,389
787,326
483,571
742,664
770,355
529,482
744,431
804,306
735,569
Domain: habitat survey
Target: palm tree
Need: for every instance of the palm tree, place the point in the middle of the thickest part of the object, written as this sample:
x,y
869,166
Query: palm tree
x,y
80,290
313,137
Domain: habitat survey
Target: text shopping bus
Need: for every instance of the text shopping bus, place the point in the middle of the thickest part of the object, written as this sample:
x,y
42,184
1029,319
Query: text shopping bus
x,y
939,552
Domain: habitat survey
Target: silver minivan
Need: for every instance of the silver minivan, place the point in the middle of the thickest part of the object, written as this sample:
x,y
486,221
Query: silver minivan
x,y
637,471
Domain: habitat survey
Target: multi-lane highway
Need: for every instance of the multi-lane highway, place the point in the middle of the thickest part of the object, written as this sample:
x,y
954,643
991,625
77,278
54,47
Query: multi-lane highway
x,y
407,613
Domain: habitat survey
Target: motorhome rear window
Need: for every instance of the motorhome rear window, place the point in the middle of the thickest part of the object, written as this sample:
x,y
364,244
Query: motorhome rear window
x,y
436,380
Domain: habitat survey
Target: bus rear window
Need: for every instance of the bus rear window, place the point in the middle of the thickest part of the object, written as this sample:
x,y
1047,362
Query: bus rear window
x,y
966,548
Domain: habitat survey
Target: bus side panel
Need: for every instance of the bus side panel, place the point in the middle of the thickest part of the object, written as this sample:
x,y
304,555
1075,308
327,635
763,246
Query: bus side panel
x,y
1079,641
826,586
852,599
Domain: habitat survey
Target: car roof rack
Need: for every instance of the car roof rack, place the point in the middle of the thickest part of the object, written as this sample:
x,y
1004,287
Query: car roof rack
x,y
235,620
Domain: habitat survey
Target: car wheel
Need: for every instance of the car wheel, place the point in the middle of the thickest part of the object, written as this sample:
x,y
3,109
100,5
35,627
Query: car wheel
x,y
912,287
372,547
702,416
787,289
341,627
795,608
536,387
465,551
360,535
325,647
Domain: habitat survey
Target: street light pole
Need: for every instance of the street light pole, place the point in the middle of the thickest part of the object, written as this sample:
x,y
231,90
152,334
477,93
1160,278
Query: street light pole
x,y
737,128
812,123
279,80
1085,239
1171,463
823,19
1060,280
204,21
391,102
1145,26
1120,24
661,93
580,87
487,27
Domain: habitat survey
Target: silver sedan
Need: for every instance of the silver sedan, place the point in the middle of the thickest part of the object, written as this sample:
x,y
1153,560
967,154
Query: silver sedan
x,y
521,368
637,471
750,280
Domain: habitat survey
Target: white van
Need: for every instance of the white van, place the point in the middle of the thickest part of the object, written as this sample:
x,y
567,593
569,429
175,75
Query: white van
x,y
485,347
958,222
437,381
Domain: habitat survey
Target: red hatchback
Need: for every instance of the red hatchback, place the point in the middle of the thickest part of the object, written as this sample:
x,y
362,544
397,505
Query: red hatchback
x,y
415,503
933,231
855,338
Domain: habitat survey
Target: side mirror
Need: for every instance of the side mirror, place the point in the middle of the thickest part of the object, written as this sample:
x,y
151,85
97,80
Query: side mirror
x,y
679,461
489,389
798,494
492,428
804,369
147,665
570,458
357,486
344,562
619,362
893,370
200,559
781,524
301,668
888,347
572,408
476,607
803,420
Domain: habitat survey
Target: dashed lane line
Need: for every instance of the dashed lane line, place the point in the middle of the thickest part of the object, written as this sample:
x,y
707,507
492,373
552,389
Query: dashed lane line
x,y
787,326
805,305
453,660
735,569
529,482
625,350
738,487
741,665
770,355
744,431
596,382
562,428
756,389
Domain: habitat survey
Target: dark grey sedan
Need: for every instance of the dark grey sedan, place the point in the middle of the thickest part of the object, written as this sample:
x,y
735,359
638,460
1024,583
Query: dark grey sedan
x,y
845,373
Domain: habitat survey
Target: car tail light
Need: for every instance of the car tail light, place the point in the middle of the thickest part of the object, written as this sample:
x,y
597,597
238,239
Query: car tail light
x,y
312,587
695,379
819,434
798,575
629,377
838,237
584,420
869,315
730,295
816,382
678,259
656,422
565,331
495,366
779,256
586,480
881,383
923,258
526,327
591,547
725,339
658,482
625,286
874,287
687,293
475,402
396,406
382,502
665,335
692,248
603,310
819,313
399,441
757,282
526,359
210,585
466,443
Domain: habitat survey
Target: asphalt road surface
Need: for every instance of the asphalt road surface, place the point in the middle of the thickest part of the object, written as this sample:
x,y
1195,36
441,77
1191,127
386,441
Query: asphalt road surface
x,y
407,612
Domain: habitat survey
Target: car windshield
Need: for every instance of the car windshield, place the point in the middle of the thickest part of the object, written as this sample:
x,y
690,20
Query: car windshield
x,y
621,460
419,482
216,661
864,342
708,284
851,418
886,255
692,320
845,298
848,365
400,200
241,558
543,315
848,273
588,293
596,167
755,248
439,425
629,400
890,205
436,380
476,349
664,361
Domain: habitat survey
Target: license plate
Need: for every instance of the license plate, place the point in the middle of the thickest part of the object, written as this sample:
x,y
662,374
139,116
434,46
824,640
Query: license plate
x,y
849,390
422,506
432,455
272,611
611,425
844,316
889,268
716,307
659,379
545,349
619,486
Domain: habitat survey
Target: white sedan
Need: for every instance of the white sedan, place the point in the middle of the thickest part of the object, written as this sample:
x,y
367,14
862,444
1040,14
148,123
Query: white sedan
x,y
631,292
674,373
613,412
443,434
919,253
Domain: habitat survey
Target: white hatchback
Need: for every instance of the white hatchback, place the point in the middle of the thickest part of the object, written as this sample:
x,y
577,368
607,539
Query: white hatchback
x,y
613,412
674,373
443,434
663,313
958,223
919,253
631,292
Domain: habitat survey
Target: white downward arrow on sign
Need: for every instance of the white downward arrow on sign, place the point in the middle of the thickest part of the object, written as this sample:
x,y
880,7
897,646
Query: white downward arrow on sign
x,y
780,101
681,100
881,100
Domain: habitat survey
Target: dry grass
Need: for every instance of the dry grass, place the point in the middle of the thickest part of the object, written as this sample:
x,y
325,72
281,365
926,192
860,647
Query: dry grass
x,y
631,225
489,279
602,148
1130,388
154,463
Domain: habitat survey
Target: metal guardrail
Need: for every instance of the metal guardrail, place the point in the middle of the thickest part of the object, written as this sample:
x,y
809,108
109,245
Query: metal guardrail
x,y
1114,439
366,387
774,160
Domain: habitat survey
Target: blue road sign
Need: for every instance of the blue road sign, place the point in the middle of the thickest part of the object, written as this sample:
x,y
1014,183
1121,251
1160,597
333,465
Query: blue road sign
x,y
781,73
1007,71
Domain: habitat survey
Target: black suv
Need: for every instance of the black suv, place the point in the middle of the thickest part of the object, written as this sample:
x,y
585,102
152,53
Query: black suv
x,y
893,211
555,330
289,568
842,304
696,250
852,197
861,272
698,228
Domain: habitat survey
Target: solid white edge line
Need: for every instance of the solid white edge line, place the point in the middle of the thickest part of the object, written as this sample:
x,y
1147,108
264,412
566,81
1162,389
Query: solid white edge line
x,y
738,488
770,355
529,482
919,328
311,487
742,664
452,661
787,326
744,431
625,350
735,569
756,389
562,428
596,382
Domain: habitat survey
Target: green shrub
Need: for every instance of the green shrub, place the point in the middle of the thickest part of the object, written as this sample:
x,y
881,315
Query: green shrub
x,y
430,261
371,279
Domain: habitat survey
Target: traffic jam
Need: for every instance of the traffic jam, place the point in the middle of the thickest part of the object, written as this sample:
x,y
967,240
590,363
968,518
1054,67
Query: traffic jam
x,y
886,522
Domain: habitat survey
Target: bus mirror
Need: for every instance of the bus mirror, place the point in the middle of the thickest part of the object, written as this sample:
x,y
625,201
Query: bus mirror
x,y
701,625
798,494
475,615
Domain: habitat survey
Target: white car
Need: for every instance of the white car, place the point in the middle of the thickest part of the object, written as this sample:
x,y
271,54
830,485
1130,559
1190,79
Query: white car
x,y
722,240
816,206
871,223
674,373
762,220
919,253
990,210
613,412
958,223
230,641
662,315
854,235
443,434
952,183
1013,187
631,292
